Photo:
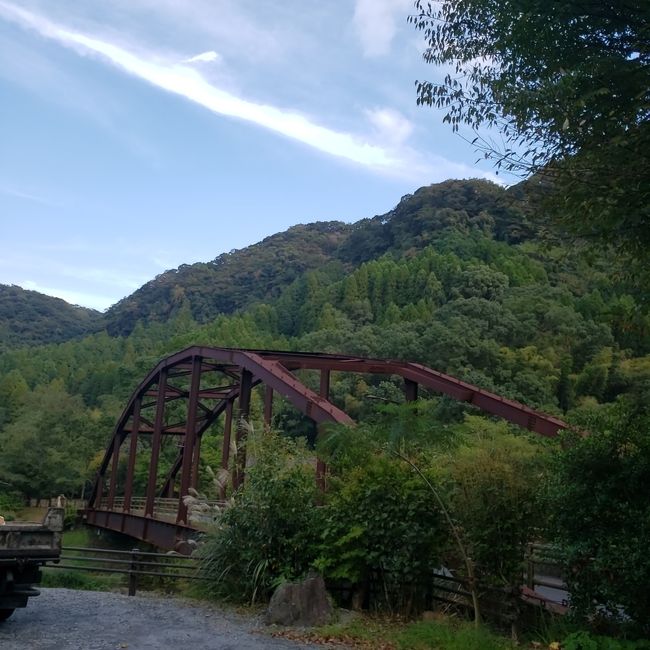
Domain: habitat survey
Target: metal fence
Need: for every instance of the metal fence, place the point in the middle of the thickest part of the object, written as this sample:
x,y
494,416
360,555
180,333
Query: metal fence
x,y
541,570
133,564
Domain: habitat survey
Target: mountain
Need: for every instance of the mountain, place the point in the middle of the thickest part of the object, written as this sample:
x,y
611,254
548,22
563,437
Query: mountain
x,y
260,272
231,281
32,318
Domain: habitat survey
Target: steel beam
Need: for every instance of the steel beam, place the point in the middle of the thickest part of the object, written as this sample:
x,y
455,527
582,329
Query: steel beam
x,y
268,406
225,449
133,449
112,486
243,418
163,534
155,443
190,439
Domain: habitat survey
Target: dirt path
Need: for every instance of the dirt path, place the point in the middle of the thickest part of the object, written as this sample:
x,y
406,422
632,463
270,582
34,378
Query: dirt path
x,y
62,619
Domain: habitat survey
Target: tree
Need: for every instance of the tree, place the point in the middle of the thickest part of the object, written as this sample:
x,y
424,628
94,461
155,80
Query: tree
x,y
600,514
567,85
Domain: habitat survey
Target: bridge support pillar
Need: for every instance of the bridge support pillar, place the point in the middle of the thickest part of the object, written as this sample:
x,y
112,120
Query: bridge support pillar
x,y
225,449
268,406
324,391
191,440
133,449
245,386
156,441
410,390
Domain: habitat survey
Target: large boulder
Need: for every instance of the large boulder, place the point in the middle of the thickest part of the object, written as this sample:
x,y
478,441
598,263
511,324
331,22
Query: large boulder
x,y
302,604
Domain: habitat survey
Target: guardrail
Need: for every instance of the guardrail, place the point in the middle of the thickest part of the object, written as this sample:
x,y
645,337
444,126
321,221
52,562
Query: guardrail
x,y
163,508
132,564
444,587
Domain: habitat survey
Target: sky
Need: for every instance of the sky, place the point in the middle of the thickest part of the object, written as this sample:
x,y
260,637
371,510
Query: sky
x,y
139,135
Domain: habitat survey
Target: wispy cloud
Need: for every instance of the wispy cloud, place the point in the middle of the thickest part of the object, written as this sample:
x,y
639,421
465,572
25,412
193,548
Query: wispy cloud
x,y
390,125
187,82
375,22
204,57
29,196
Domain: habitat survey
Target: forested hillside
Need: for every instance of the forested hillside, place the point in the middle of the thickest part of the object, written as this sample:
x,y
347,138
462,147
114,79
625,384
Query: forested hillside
x,y
32,318
260,272
232,280
457,277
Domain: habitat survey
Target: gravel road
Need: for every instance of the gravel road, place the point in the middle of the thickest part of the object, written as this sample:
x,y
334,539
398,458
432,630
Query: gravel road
x,y
62,619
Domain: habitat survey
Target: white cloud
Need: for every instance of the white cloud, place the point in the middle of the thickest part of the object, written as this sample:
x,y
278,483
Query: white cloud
x,y
187,82
390,125
204,57
376,21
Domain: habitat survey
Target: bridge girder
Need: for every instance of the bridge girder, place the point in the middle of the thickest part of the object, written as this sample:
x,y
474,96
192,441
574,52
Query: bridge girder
x,y
242,370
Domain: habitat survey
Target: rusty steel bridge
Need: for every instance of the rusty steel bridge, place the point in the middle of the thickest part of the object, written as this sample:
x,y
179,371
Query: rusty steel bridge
x,y
187,393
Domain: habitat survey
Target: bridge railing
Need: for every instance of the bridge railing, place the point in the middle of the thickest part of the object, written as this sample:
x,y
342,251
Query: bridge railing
x,y
164,508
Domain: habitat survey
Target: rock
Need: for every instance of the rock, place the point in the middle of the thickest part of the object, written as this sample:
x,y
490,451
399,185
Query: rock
x,y
301,604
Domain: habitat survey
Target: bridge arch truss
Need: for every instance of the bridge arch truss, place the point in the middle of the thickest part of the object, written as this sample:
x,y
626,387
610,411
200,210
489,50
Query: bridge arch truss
x,y
185,395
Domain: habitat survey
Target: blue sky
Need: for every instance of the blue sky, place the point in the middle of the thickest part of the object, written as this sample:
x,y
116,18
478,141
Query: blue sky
x,y
138,135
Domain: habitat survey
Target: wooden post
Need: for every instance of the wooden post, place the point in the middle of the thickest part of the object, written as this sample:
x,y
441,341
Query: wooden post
x,y
133,576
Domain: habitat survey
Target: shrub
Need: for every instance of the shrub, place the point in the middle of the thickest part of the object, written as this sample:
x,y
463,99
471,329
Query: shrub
x,y
492,485
10,503
269,534
381,526
598,494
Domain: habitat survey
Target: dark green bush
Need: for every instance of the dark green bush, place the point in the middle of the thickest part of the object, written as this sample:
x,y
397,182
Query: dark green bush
x,y
381,526
491,483
270,532
10,503
599,499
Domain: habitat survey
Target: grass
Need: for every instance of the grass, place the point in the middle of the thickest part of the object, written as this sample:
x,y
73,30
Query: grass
x,y
81,580
34,515
383,634
84,579
448,633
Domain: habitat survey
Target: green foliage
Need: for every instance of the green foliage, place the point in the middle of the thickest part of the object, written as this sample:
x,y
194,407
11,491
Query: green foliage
x,y
601,516
567,86
10,503
583,640
410,426
381,525
492,484
32,318
449,635
79,580
231,281
48,448
441,634
269,533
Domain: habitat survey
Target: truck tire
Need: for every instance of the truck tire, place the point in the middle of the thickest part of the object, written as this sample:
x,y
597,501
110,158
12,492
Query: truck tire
x,y
5,614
